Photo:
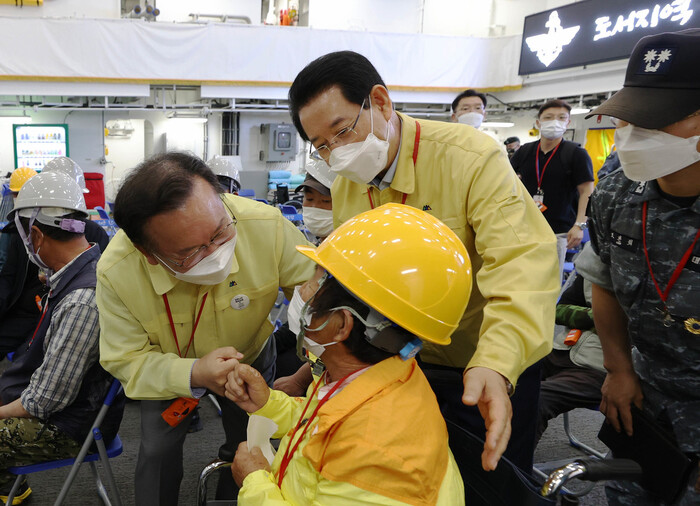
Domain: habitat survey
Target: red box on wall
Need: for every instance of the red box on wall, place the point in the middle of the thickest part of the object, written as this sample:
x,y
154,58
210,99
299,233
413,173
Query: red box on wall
x,y
94,183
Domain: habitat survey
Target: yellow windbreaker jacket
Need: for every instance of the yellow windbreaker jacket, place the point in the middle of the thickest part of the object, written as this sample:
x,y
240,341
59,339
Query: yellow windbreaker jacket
x,y
136,341
379,440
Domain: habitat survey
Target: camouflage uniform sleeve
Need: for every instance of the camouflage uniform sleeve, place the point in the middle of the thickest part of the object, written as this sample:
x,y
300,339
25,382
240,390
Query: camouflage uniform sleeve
x,y
575,317
594,261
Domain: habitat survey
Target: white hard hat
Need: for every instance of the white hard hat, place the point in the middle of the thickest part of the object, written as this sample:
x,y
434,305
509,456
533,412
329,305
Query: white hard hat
x,y
54,193
224,166
321,172
68,167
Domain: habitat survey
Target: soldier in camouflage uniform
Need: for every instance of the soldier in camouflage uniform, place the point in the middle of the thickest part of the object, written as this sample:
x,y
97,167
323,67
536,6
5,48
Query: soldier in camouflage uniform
x,y
645,266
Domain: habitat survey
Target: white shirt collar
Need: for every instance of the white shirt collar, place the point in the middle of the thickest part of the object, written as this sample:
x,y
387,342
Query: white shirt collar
x,y
385,182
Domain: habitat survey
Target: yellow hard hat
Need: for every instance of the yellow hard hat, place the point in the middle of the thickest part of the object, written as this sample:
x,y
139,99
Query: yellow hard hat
x,y
19,177
404,263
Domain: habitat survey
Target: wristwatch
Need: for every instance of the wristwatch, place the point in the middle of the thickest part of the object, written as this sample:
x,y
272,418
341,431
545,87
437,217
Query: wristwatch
x,y
510,389
583,225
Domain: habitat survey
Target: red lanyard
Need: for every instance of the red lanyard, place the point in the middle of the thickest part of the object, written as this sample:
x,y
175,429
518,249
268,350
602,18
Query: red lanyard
x,y
415,157
172,324
287,458
537,164
679,268
43,313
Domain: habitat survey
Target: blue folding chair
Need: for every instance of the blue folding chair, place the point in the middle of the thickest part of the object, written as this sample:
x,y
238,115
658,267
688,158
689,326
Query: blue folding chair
x,y
291,213
276,313
101,211
104,453
572,253
106,221
246,192
6,201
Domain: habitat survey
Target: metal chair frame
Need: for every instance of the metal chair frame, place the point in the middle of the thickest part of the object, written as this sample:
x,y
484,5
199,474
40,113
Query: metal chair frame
x,y
577,443
104,453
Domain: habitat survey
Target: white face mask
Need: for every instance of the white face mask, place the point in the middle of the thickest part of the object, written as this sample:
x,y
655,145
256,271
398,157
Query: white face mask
x,y
211,270
29,246
473,119
310,345
294,312
318,221
649,154
553,129
315,348
36,259
360,162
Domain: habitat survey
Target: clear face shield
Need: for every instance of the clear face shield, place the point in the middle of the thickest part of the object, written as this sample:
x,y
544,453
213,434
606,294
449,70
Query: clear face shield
x,y
380,332
299,322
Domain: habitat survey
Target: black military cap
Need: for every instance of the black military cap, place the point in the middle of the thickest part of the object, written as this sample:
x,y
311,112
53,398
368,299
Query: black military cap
x,y
662,84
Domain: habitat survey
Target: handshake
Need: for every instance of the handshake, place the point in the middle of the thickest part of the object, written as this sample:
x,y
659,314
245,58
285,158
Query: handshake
x,y
221,372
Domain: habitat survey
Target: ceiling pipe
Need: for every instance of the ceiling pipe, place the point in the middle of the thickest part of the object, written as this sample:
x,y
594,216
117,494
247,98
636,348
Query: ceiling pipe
x,y
223,18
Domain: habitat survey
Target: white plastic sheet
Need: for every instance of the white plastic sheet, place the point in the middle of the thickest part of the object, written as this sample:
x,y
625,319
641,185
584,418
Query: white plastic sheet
x,y
133,51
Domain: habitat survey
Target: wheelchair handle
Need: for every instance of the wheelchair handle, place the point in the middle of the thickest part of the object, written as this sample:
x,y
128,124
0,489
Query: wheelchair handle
x,y
591,470
610,469
214,466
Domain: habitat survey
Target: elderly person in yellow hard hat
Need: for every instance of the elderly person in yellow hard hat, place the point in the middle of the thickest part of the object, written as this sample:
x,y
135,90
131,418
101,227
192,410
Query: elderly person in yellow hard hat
x,y
370,430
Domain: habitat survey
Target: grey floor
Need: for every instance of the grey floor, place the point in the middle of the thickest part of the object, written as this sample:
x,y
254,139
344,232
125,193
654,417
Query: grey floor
x,y
201,448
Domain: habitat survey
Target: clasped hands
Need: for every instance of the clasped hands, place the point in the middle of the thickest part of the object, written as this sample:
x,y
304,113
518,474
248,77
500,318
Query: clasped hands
x,y
221,372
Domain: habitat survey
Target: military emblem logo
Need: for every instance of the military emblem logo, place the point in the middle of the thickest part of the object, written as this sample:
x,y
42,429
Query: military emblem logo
x,y
656,60
693,326
659,57
548,46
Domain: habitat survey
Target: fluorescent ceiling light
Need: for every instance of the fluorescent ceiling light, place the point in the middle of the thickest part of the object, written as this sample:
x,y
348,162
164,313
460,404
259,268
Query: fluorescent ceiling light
x,y
191,120
579,110
497,124
17,119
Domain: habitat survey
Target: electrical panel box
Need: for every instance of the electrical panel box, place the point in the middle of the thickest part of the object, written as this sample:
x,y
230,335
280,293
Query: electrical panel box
x,y
279,141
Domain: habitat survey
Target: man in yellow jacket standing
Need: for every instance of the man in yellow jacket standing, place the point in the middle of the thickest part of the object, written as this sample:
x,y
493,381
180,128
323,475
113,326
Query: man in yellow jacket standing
x,y
184,291
340,104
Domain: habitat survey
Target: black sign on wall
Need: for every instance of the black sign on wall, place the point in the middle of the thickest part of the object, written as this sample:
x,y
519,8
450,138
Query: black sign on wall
x,y
594,31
